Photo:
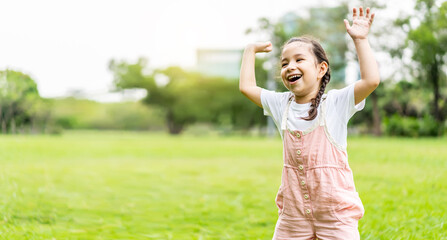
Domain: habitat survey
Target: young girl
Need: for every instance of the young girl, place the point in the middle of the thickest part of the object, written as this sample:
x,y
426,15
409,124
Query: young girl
x,y
317,197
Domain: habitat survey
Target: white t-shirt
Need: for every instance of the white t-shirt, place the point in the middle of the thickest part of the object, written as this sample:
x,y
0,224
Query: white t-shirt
x,y
340,107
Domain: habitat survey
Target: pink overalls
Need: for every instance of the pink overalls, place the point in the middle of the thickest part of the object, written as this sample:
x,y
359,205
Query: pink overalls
x,y
317,197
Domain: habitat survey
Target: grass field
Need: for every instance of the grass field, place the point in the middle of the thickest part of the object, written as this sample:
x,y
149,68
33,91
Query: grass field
x,y
112,185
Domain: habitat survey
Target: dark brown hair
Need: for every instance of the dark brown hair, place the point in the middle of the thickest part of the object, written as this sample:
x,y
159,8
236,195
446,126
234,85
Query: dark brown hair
x,y
320,55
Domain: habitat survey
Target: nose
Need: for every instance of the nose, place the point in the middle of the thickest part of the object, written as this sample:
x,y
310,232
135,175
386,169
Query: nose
x,y
291,66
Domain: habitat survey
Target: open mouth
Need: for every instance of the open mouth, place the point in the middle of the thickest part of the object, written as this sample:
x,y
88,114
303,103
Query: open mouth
x,y
294,78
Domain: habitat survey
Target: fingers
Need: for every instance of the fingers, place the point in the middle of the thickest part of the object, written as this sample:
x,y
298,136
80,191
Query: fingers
x,y
372,19
367,13
263,47
269,47
347,24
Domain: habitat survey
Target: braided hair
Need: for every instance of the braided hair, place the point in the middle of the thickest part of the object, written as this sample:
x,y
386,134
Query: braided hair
x,y
320,55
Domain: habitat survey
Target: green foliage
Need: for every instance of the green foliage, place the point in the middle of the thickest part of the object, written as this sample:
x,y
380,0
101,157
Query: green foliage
x,y
122,185
399,126
72,113
189,97
21,108
404,109
164,95
413,127
428,42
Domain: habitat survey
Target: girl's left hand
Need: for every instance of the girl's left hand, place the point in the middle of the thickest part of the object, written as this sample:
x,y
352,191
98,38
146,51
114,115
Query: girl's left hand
x,y
360,24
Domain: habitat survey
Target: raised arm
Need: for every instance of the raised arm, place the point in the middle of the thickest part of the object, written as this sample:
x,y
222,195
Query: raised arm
x,y
247,82
369,71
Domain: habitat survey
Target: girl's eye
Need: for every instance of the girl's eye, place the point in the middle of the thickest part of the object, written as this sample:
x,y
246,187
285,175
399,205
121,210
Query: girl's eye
x,y
284,64
299,60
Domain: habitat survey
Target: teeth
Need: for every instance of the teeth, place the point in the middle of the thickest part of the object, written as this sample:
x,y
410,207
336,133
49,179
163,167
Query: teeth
x,y
294,77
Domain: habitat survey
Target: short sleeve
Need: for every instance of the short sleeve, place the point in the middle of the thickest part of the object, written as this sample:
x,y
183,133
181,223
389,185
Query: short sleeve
x,y
343,102
273,104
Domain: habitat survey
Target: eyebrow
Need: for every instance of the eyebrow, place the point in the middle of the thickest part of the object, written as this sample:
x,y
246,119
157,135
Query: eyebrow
x,y
296,55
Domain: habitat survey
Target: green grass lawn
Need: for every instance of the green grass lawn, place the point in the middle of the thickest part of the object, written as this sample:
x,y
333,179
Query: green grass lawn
x,y
112,185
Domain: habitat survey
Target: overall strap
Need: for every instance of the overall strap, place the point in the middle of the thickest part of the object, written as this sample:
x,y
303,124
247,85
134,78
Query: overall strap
x,y
321,115
284,115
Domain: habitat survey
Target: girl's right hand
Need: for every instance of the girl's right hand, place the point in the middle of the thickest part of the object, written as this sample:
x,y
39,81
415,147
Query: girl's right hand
x,y
261,47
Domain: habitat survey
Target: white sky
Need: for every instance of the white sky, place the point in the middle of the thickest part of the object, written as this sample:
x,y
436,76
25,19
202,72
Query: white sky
x,y
66,45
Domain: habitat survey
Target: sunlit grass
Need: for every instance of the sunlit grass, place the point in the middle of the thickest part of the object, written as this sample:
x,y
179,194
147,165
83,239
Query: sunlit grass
x,y
113,185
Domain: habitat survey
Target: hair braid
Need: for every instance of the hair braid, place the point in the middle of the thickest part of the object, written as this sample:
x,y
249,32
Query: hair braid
x,y
315,102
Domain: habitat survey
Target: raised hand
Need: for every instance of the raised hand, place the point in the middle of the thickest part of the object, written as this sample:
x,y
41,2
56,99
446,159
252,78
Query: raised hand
x,y
261,47
360,24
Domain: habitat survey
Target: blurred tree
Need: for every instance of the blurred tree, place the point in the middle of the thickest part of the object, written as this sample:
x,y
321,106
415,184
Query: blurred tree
x,y
18,96
427,38
38,111
74,113
160,85
188,97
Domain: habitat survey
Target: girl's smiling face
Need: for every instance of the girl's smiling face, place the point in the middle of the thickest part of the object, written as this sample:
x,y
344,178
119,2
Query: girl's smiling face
x,y
300,72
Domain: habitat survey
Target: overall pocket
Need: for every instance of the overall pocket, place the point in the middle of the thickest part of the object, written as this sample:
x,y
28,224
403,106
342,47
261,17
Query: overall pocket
x,y
347,206
280,200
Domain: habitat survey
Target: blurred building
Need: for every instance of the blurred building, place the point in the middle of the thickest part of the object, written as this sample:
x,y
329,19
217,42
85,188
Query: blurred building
x,y
219,62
